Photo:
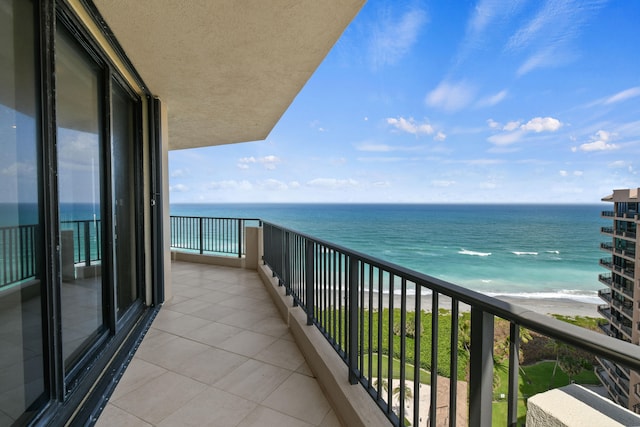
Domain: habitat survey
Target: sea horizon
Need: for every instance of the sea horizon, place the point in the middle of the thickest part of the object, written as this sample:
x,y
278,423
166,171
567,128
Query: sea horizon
x,y
524,250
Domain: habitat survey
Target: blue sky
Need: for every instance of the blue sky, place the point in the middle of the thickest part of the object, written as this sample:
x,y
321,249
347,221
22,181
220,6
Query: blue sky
x,y
531,101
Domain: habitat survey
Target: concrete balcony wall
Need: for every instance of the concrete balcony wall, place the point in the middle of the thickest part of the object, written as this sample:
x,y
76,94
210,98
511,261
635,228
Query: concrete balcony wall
x,y
574,406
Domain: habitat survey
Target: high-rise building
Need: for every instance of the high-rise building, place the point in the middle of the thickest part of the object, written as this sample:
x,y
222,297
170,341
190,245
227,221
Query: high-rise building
x,y
622,295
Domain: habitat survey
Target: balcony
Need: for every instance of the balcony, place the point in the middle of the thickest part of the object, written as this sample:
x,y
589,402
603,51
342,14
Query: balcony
x,y
326,294
607,214
219,348
605,311
605,294
607,230
606,246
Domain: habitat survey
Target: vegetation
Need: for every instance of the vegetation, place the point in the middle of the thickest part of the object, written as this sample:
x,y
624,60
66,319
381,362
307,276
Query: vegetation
x,y
545,363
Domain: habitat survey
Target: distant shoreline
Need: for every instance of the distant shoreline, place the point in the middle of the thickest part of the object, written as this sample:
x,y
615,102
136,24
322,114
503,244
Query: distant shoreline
x,y
546,306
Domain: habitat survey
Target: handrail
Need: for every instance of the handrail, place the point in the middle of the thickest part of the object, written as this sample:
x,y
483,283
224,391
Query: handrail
x,y
320,275
212,235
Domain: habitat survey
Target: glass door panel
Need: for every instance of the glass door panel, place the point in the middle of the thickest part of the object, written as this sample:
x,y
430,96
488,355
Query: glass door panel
x,y
124,184
80,148
22,381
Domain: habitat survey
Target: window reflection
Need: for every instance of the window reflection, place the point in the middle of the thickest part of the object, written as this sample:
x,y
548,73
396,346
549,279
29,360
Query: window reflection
x,y
21,348
79,149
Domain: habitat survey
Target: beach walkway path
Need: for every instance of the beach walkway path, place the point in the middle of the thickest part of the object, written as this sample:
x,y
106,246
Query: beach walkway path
x,y
218,354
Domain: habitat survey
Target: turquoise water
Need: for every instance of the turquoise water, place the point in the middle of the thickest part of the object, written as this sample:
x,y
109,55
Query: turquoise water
x,y
526,250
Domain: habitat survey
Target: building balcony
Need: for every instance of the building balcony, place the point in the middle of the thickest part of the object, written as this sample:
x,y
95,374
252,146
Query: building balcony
x,y
606,230
607,214
606,246
220,344
605,294
218,349
605,311
606,279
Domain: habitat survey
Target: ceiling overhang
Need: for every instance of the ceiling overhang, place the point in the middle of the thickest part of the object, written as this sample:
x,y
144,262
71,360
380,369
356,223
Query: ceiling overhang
x,y
226,70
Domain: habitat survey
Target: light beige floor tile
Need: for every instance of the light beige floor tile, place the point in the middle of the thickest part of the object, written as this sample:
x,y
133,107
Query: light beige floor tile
x,y
213,333
175,354
253,380
138,373
270,325
215,296
190,305
242,318
247,343
304,369
211,365
213,407
160,397
262,416
174,300
331,420
182,325
243,303
114,416
282,353
300,397
214,312
154,339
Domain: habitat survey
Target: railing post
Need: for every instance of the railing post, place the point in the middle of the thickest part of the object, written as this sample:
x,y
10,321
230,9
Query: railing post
x,y
201,221
87,245
514,364
240,228
309,267
353,319
481,368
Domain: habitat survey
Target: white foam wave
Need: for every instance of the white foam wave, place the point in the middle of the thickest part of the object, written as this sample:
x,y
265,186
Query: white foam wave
x,y
581,296
553,252
486,280
463,251
524,253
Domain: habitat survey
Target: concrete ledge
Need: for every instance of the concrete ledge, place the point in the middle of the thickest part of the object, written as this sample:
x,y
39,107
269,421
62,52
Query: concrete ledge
x,y
351,403
225,261
574,405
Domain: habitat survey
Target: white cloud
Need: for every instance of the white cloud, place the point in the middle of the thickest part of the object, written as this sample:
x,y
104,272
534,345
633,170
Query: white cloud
x,y
599,142
230,185
332,183
564,173
179,173
378,148
623,95
178,188
494,99
493,124
20,169
393,39
618,164
440,136
442,183
506,138
578,173
513,125
410,125
272,185
542,124
269,162
514,131
451,97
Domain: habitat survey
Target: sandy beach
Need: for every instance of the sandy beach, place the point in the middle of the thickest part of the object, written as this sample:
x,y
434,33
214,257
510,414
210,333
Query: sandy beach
x,y
547,306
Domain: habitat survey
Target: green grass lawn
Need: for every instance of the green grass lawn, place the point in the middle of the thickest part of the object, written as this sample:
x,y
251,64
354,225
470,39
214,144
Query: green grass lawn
x,y
536,379
425,376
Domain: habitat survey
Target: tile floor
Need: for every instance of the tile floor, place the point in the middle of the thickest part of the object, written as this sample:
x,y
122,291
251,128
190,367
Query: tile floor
x,y
218,354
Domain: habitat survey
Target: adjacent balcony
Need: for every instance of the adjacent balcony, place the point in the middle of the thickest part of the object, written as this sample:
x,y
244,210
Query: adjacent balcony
x,y
605,294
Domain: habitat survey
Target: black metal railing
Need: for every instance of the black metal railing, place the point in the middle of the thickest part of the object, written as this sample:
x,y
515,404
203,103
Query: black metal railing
x,y
17,254
18,248
208,235
87,237
351,298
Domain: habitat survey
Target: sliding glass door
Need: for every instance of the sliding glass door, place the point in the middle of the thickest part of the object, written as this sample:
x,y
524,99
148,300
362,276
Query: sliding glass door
x,y
80,154
22,278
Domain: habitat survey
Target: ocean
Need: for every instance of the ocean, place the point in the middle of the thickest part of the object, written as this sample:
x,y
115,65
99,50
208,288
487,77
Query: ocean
x,y
536,251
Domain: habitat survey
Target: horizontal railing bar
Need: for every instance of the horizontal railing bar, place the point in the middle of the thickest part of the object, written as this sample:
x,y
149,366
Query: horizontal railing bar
x,y
601,345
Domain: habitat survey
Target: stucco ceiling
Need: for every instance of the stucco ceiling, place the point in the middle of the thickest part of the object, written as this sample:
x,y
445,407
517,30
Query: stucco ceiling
x,y
226,69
